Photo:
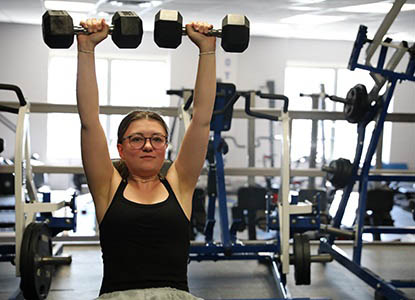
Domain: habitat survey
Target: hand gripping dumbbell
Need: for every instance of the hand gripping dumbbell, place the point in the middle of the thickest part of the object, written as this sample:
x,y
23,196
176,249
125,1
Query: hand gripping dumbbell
x,y
168,31
58,29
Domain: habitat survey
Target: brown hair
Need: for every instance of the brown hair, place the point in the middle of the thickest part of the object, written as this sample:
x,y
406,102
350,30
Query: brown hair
x,y
122,128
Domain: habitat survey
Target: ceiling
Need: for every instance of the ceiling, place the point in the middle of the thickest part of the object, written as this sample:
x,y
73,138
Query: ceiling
x,y
311,19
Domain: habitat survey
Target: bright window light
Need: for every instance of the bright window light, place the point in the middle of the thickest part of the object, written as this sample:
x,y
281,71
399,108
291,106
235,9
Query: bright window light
x,y
380,8
312,19
69,6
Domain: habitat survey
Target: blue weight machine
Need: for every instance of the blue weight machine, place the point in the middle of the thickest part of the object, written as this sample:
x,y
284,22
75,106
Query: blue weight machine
x,y
382,75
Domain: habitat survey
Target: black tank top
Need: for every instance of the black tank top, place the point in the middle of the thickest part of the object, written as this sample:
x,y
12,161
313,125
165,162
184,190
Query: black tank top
x,y
144,245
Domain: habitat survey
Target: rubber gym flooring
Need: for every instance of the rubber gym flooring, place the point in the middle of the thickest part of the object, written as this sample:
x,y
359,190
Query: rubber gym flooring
x,y
233,279
240,279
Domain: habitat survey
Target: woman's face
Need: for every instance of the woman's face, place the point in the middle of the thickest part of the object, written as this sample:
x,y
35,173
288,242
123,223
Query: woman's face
x,y
144,147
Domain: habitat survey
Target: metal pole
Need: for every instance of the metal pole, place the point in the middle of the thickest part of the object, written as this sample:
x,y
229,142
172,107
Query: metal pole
x,y
251,143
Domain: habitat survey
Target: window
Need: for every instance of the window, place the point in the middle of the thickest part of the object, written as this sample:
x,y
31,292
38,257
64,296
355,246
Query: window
x,y
307,80
129,82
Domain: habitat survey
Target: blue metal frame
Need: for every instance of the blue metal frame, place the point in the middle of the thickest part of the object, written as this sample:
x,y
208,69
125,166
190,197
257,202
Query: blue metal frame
x,y
388,289
229,248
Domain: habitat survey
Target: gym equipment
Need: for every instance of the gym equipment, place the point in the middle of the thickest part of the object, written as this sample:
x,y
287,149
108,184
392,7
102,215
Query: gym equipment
x,y
380,202
168,31
356,104
302,259
283,217
339,172
251,199
37,261
378,110
318,102
31,251
58,29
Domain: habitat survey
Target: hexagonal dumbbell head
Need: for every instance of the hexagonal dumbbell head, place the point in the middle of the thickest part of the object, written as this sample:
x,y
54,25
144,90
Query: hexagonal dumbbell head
x,y
57,29
168,28
235,33
127,29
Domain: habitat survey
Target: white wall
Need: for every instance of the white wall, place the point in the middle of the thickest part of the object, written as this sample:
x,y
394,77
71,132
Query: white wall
x,y
24,62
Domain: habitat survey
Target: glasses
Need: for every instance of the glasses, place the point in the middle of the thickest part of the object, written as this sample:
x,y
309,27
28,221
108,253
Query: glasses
x,y
137,141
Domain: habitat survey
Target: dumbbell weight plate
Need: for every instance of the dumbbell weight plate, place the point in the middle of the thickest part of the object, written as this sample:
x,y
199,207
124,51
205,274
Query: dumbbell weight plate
x,y
127,29
235,33
168,26
35,278
57,29
357,104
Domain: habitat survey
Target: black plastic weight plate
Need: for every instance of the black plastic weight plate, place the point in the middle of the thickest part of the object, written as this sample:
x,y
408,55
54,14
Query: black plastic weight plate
x,y
358,104
35,278
24,249
302,259
306,260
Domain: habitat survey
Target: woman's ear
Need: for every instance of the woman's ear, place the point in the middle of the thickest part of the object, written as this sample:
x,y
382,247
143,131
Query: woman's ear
x,y
120,148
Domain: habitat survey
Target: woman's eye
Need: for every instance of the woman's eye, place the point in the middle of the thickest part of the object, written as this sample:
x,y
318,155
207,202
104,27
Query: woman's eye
x,y
137,139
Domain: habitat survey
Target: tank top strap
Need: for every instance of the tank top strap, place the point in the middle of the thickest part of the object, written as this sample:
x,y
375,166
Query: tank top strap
x,y
120,190
167,186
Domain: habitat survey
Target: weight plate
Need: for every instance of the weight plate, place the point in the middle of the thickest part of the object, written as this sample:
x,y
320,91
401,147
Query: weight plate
x,y
306,260
302,259
357,104
298,258
36,278
24,249
340,172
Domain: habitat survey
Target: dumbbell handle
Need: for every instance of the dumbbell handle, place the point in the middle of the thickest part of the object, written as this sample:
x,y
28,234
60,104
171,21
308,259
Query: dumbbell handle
x,y
80,29
212,32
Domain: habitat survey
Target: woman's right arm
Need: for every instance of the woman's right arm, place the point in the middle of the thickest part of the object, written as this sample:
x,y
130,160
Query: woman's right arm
x,y
95,156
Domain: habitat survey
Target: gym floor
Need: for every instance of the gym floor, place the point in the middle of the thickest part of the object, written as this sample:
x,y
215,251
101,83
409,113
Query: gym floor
x,y
240,279
234,279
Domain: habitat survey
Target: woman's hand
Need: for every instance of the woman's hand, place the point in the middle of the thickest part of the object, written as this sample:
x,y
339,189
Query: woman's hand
x,y
197,33
98,31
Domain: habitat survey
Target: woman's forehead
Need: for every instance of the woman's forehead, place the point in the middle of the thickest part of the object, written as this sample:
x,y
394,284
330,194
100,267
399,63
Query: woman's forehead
x,y
145,126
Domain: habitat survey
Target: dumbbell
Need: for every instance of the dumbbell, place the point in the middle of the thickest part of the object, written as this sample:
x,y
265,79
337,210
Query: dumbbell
x,y
168,31
58,29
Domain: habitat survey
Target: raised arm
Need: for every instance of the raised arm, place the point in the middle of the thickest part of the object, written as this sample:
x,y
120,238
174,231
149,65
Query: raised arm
x,y
95,156
193,149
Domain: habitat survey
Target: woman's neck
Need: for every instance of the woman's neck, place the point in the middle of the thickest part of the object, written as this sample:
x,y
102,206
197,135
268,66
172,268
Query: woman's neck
x,y
143,179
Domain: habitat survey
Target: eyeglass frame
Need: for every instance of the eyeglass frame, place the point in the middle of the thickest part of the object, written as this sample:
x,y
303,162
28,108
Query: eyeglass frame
x,y
145,140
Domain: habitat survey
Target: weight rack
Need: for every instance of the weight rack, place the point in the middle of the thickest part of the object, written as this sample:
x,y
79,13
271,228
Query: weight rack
x,y
382,75
27,206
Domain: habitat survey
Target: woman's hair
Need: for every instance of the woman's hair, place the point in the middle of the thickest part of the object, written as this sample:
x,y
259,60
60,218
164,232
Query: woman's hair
x,y
122,128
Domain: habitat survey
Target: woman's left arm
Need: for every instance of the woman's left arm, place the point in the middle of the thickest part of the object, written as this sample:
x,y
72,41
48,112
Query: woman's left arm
x,y
192,153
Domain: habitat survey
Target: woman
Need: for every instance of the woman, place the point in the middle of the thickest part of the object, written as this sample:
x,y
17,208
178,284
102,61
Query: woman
x,y
143,217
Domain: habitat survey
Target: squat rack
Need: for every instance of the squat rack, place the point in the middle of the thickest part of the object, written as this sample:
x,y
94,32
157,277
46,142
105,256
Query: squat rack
x,y
378,110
